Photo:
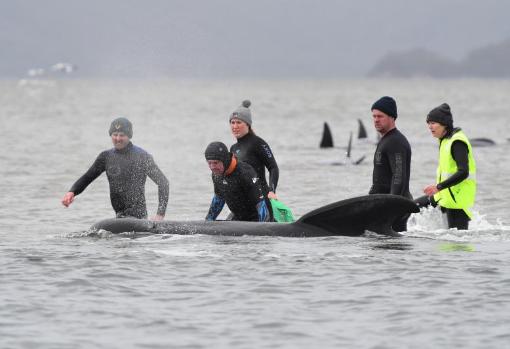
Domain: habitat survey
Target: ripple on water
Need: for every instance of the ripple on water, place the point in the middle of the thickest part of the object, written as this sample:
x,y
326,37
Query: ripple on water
x,y
433,287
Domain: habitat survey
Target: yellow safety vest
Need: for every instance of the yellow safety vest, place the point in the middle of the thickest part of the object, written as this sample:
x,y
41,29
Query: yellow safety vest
x,y
461,195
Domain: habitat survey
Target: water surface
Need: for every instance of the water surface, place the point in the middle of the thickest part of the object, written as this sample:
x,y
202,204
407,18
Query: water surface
x,y
63,287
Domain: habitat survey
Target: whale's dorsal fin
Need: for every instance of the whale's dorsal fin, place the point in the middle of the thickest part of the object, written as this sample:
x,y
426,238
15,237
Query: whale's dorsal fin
x,y
353,216
327,138
349,146
362,132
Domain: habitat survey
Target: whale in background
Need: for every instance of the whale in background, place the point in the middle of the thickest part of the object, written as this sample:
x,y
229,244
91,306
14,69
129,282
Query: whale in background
x,y
348,159
327,138
481,142
362,131
327,142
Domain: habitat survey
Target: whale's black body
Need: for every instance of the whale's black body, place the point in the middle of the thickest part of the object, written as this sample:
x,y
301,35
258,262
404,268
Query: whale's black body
x,y
481,142
362,131
351,217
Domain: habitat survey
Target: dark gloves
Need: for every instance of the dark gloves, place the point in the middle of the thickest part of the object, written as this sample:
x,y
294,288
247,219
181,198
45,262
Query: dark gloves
x,y
424,201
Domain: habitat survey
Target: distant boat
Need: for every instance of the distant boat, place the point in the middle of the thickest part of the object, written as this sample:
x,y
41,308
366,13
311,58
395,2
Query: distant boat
x,y
40,77
35,72
62,67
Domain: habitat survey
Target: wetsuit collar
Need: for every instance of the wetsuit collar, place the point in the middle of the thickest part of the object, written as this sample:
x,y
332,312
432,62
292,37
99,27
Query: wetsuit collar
x,y
390,131
450,133
245,137
232,166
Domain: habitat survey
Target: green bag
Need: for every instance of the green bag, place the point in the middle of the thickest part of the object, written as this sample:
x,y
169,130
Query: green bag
x,y
281,213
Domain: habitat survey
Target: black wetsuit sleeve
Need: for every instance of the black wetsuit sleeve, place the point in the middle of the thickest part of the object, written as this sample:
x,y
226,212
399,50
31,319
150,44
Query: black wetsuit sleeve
x,y
92,173
160,179
274,174
269,162
460,155
399,177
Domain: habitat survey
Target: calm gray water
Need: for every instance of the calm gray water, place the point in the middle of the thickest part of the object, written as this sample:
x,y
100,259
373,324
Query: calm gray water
x,y
64,287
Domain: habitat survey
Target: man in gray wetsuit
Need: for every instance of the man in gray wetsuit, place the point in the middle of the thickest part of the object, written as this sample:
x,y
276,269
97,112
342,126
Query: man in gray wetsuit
x,y
127,168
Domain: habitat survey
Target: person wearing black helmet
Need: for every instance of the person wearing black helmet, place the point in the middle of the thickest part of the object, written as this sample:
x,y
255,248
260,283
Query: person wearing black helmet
x,y
253,150
392,158
127,168
455,187
236,184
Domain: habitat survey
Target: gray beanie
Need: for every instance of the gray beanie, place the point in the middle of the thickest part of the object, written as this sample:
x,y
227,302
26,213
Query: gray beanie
x,y
121,125
242,113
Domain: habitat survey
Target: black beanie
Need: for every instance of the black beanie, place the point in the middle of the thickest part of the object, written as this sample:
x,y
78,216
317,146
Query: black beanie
x,y
121,125
218,151
442,115
387,105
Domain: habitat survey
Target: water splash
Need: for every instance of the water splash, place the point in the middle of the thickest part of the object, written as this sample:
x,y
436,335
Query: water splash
x,y
429,219
101,234
432,223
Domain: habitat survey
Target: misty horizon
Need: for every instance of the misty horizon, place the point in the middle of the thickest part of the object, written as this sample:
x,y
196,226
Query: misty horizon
x,y
238,39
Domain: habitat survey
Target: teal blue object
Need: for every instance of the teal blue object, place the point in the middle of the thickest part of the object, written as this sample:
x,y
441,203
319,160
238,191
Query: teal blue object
x,y
281,213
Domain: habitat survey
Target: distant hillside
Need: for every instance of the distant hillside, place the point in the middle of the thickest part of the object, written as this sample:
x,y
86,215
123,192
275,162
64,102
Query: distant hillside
x,y
488,61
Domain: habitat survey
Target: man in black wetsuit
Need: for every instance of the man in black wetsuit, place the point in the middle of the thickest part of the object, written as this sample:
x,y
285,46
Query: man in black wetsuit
x,y
392,158
127,168
236,184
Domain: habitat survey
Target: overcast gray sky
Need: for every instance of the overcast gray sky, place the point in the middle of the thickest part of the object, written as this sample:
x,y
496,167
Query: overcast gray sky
x,y
238,38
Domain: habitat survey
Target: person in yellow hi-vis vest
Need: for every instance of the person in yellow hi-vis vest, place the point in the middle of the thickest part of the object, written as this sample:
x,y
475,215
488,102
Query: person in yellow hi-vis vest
x,y
455,187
